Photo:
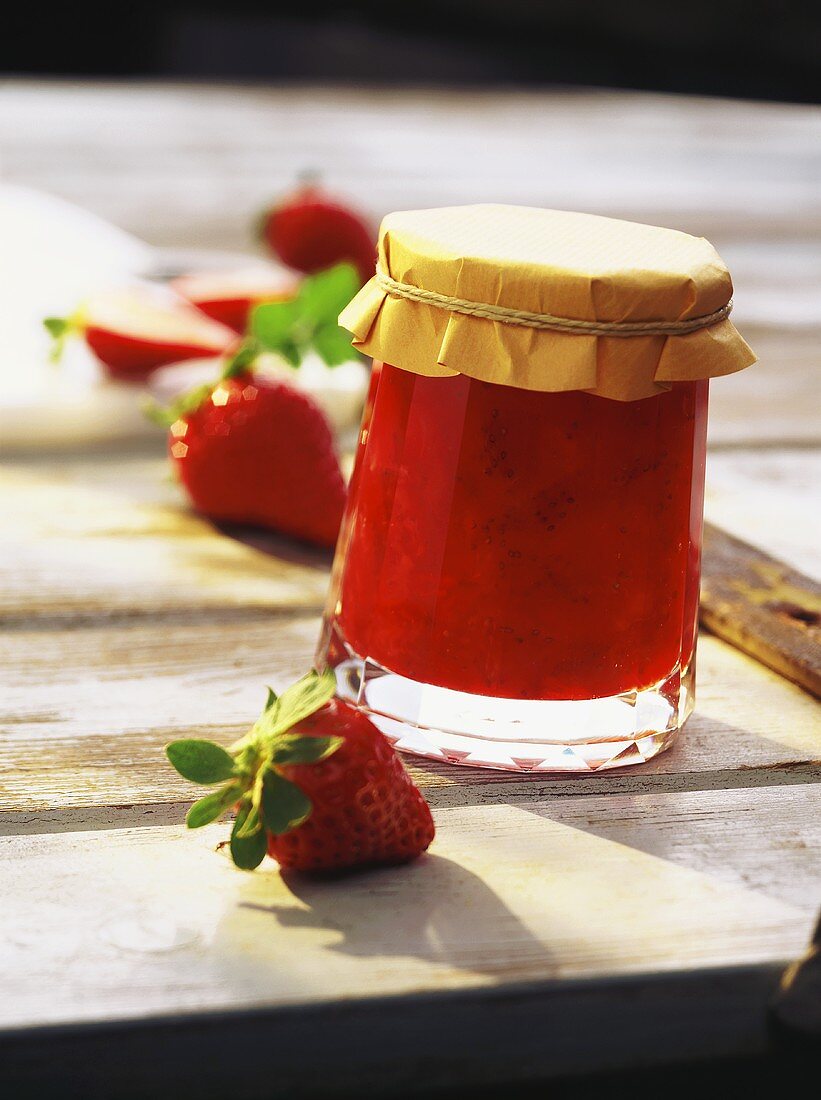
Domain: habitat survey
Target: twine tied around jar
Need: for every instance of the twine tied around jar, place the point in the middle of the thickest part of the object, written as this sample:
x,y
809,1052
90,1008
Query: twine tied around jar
x,y
547,321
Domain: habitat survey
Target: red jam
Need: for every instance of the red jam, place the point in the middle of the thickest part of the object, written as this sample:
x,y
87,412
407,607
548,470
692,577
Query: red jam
x,y
523,544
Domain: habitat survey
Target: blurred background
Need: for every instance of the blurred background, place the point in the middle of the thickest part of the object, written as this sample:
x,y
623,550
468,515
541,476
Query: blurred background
x,y
763,49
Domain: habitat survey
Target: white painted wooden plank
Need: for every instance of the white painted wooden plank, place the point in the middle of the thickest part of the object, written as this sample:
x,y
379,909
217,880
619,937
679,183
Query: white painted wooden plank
x,y
147,625
717,836
136,923
86,712
223,151
383,1046
774,402
135,623
113,536
771,498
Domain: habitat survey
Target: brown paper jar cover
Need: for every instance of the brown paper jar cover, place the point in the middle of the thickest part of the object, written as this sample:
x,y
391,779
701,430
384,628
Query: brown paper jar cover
x,y
572,266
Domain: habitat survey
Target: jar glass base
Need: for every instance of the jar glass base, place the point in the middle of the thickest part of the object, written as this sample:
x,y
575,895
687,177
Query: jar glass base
x,y
526,735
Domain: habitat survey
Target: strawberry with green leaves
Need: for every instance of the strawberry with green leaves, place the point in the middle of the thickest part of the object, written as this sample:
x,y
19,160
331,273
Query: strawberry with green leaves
x,y
307,322
315,785
254,449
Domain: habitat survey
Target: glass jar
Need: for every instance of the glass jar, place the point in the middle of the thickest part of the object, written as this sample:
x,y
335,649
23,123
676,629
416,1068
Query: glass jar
x,y
516,582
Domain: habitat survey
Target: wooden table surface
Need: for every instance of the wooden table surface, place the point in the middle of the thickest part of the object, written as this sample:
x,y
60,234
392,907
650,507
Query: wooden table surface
x,y
560,925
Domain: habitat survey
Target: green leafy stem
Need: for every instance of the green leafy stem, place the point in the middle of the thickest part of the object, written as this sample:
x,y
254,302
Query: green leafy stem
x,y
60,329
249,776
291,329
307,322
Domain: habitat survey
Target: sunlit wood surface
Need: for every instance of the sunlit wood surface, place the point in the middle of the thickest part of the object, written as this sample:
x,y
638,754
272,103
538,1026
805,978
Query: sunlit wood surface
x,y
559,925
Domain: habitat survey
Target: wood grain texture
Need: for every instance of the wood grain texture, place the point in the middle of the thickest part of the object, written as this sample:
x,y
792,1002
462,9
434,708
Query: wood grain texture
x,y
110,537
775,402
763,607
557,890
87,711
559,925
767,496
416,1045
796,1008
151,556
710,166
129,622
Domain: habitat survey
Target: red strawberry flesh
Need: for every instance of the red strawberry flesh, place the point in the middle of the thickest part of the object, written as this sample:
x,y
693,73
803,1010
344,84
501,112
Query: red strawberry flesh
x,y
229,297
132,335
310,231
259,451
367,810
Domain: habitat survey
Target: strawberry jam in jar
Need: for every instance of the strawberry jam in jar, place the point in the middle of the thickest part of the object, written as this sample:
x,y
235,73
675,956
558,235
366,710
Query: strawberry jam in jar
x,y
516,582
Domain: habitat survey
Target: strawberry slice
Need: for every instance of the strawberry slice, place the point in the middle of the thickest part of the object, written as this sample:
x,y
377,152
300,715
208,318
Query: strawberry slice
x,y
311,231
132,334
229,297
316,786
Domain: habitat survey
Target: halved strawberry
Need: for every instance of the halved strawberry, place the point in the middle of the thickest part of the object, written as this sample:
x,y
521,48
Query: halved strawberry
x,y
315,783
229,297
310,231
132,334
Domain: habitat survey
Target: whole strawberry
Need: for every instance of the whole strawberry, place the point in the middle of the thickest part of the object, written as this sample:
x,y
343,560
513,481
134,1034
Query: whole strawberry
x,y
254,449
311,231
315,783
371,812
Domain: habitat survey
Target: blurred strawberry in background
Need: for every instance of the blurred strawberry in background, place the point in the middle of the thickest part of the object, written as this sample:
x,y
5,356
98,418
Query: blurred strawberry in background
x,y
310,230
255,381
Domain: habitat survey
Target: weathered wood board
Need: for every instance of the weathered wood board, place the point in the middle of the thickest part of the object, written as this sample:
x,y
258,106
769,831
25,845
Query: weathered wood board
x,y
87,712
110,537
763,607
551,891
559,926
745,175
766,496
129,622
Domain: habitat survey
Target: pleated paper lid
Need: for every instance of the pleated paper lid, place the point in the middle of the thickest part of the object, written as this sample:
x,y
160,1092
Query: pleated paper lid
x,y
547,300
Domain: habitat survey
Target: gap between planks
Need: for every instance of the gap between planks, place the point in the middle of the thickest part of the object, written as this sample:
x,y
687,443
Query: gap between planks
x,y
441,790
97,686
88,713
